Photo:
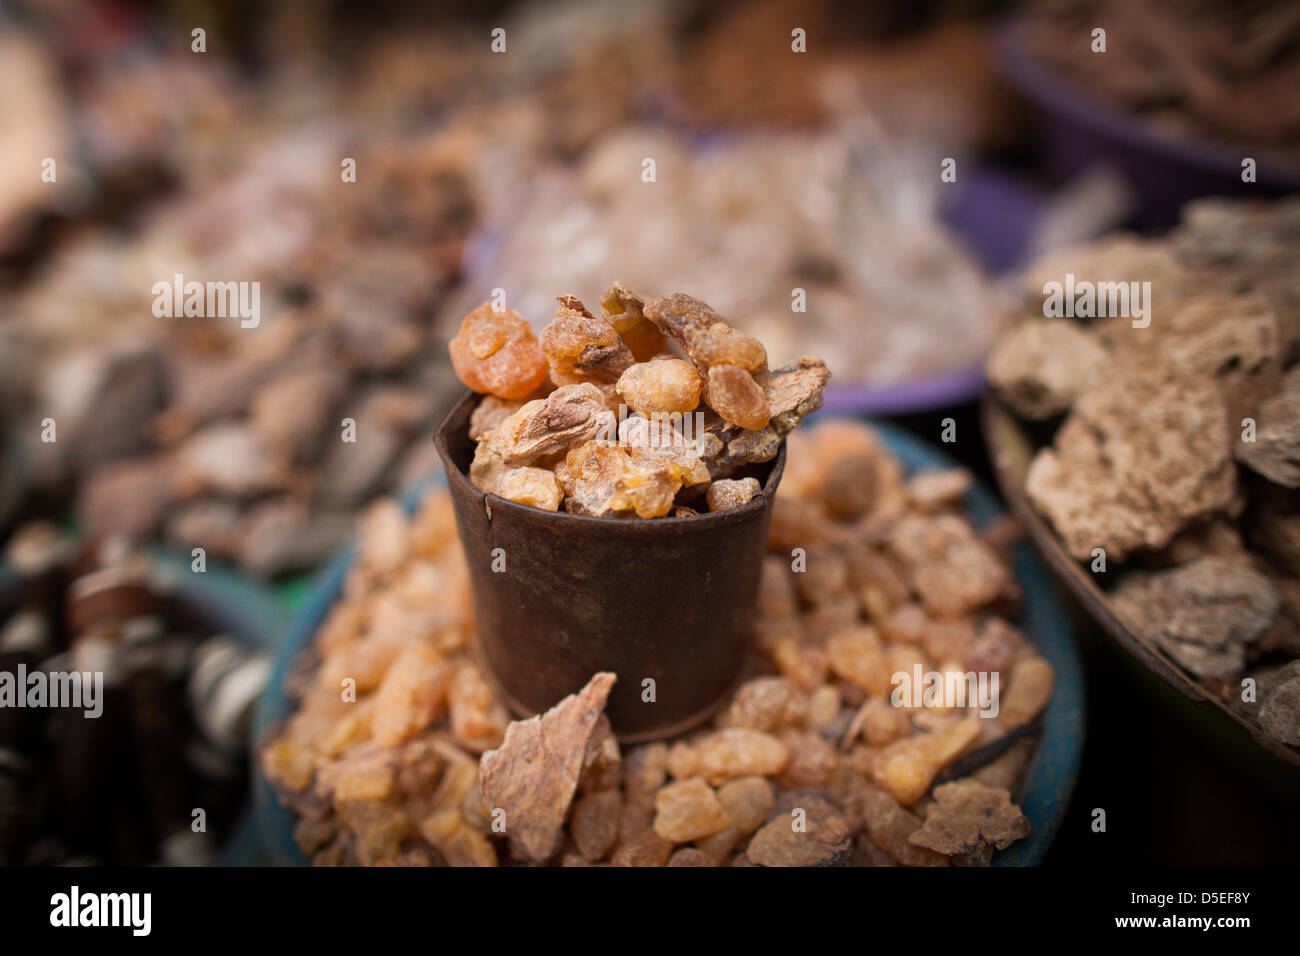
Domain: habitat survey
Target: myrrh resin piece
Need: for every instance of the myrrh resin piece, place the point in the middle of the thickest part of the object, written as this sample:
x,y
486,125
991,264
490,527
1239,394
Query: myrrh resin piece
x,y
623,310
582,347
731,493
692,420
496,352
732,364
663,386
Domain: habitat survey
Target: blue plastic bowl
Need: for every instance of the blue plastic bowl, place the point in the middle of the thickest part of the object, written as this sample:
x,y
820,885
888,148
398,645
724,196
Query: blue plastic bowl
x,y
1051,773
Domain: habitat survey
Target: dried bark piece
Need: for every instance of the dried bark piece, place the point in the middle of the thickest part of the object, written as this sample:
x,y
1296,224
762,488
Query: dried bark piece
x,y
1275,452
601,478
1203,614
623,310
725,455
968,818
688,810
581,347
545,428
792,392
732,493
1040,367
1279,713
1229,339
890,827
602,765
1123,480
665,386
496,351
534,774
795,391
825,839
1117,258
1275,527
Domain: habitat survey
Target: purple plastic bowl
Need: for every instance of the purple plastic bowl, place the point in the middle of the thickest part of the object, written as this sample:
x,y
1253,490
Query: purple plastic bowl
x,y
1081,130
922,395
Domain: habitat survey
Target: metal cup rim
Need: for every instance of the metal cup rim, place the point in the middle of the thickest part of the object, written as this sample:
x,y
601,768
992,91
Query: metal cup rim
x,y
458,418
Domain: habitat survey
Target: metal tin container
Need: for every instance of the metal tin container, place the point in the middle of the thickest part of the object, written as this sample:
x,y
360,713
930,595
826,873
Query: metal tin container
x,y
665,603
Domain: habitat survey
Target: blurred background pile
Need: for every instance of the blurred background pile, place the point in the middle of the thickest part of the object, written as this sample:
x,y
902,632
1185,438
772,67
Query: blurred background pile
x,y
775,172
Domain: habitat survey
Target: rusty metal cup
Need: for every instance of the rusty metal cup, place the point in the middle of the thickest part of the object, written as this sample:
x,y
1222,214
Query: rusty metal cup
x,y
666,599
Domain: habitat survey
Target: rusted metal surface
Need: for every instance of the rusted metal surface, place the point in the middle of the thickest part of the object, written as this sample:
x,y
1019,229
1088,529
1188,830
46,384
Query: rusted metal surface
x,y
668,600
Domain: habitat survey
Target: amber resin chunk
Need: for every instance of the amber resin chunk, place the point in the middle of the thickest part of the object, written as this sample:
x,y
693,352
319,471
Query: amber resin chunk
x,y
623,310
496,352
583,347
732,364
664,386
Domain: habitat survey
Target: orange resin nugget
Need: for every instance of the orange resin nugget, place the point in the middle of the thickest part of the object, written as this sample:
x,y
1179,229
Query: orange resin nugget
x,y
622,309
601,478
582,347
496,352
661,387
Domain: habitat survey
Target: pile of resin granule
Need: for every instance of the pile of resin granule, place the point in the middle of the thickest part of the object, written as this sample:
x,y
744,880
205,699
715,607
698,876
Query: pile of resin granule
x,y
653,408
869,574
